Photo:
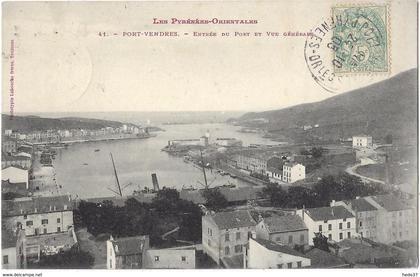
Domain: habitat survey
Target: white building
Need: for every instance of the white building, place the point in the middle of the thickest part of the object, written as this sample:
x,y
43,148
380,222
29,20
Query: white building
x,y
362,141
15,175
336,223
264,254
39,215
225,235
293,172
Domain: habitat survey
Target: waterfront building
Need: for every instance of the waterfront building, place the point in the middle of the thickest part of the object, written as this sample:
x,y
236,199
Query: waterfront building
x,y
228,142
287,230
263,254
225,235
255,161
336,223
15,174
293,172
39,215
362,141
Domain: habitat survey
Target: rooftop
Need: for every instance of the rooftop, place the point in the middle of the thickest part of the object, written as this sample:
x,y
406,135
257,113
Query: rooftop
x,y
390,203
34,205
328,213
233,219
129,245
279,248
361,205
323,259
286,223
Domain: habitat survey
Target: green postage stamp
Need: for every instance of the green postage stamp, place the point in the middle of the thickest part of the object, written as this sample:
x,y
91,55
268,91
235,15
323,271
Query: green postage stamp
x,y
360,39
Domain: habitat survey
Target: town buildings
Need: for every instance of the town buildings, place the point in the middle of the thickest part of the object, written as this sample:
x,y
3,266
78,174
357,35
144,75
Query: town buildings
x,y
256,162
20,160
336,223
264,254
8,145
39,215
293,172
228,142
382,218
361,141
135,253
225,234
287,230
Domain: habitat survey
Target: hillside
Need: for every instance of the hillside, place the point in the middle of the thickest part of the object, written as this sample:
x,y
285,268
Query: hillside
x,y
387,107
32,123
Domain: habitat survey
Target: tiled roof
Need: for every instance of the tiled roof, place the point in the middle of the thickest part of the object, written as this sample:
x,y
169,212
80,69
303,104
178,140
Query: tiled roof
x,y
323,259
361,205
36,205
390,202
234,219
129,245
279,248
286,223
328,213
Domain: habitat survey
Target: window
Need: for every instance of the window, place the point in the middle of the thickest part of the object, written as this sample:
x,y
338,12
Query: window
x,y
238,248
278,239
289,265
348,235
400,234
348,224
44,221
58,229
156,258
5,259
209,242
302,238
361,234
360,224
238,236
29,223
340,226
400,213
45,230
183,258
58,220
280,266
320,228
25,216
299,264
227,237
341,235
110,263
290,239
329,236
325,221
227,250
329,227
345,219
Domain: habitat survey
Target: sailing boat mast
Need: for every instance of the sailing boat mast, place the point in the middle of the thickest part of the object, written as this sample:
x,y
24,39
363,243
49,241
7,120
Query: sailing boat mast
x,y
116,176
204,171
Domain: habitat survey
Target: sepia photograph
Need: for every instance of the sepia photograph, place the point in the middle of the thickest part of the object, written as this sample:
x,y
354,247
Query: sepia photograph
x,y
209,135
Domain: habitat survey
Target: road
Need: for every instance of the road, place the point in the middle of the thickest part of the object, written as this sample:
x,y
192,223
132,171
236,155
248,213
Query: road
x,y
363,161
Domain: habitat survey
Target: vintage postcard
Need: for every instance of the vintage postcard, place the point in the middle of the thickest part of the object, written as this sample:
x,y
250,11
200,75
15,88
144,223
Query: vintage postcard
x,y
209,135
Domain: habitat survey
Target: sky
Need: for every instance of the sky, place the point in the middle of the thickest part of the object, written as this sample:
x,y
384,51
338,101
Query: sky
x,y
61,64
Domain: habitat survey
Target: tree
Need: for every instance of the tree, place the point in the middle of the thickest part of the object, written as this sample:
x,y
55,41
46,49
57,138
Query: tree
x,y
275,194
321,242
166,201
215,200
71,259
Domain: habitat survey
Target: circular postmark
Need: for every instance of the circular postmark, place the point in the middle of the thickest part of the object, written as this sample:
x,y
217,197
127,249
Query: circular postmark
x,y
354,40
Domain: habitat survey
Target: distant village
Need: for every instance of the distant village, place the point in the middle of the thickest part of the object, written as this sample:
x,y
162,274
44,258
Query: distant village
x,y
256,226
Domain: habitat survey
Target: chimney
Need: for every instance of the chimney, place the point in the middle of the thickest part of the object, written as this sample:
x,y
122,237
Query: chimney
x,y
50,208
253,234
357,197
303,212
260,218
332,204
332,211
